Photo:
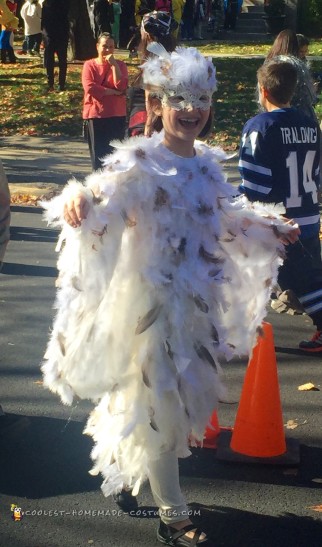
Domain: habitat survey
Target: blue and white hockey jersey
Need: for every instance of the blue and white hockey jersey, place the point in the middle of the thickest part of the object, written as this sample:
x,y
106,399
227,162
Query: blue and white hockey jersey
x,y
279,163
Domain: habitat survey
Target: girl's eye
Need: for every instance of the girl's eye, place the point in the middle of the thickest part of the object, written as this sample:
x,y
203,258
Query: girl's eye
x,y
176,99
204,98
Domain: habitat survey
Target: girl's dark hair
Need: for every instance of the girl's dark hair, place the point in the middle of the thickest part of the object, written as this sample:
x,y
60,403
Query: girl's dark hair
x,y
205,132
169,43
285,43
302,40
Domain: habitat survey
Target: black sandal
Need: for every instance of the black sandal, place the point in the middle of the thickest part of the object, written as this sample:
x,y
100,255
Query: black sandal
x,y
171,536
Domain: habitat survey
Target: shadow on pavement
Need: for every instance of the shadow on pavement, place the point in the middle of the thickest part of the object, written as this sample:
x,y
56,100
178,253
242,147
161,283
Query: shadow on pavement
x,y
239,528
10,268
41,235
26,209
42,457
203,464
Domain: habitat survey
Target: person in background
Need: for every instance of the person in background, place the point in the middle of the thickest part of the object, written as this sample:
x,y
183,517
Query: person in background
x,y
127,22
104,81
286,47
31,15
7,34
199,18
141,8
215,14
279,164
303,45
187,20
55,30
177,10
232,9
103,16
117,10
156,26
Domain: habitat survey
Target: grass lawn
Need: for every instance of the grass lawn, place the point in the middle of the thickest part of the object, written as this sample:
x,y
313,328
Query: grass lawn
x,y
28,109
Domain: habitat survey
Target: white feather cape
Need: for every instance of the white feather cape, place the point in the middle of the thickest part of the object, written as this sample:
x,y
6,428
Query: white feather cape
x,y
168,273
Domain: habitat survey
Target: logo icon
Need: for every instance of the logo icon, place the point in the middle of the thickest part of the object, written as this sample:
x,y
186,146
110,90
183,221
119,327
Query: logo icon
x,y
17,512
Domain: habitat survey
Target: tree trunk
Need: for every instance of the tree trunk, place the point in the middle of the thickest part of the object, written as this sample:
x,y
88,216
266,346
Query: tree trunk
x,y
81,43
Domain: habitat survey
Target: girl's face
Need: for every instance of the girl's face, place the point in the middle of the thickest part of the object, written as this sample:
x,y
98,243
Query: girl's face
x,y
182,127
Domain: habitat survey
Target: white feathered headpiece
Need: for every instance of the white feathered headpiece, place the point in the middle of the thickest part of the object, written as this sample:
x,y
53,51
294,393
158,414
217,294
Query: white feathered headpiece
x,y
183,74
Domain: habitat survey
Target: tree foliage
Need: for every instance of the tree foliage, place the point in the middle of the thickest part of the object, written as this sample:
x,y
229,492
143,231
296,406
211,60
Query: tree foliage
x,y
310,17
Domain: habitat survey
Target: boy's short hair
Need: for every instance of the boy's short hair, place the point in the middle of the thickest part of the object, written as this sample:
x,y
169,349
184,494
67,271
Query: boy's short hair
x,y
279,78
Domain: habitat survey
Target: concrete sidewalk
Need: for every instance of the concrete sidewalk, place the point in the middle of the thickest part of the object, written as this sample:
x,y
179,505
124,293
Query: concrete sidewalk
x,y
37,166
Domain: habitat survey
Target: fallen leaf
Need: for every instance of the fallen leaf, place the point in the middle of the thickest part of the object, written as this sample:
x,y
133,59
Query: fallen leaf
x,y
317,508
291,424
39,382
308,387
317,480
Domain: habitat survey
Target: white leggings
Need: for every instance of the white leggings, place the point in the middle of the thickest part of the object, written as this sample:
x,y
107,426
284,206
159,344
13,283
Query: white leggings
x,y
165,486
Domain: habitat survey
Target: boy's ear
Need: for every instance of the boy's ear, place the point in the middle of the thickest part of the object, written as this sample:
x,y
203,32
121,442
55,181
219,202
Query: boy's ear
x,y
264,91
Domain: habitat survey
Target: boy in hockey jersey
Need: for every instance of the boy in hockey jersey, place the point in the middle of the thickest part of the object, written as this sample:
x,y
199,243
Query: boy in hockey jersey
x,y
279,163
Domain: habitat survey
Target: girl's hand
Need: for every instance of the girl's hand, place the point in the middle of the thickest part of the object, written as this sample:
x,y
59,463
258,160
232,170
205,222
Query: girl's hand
x,y
76,210
291,236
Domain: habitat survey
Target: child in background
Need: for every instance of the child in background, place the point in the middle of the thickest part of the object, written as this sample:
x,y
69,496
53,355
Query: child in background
x,y
303,43
31,15
7,37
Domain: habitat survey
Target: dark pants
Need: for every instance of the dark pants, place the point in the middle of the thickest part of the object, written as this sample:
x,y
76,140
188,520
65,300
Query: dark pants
x,y
231,15
59,45
33,42
302,272
100,132
187,29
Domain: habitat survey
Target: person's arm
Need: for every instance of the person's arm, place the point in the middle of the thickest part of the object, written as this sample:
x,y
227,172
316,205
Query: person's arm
x,y
255,167
119,73
92,87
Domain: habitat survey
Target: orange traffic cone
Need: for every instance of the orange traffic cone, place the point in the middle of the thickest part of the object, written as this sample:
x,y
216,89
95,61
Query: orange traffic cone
x,y
259,429
259,432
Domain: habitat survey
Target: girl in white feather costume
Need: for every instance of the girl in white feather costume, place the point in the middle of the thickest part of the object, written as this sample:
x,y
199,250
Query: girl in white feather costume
x,y
163,271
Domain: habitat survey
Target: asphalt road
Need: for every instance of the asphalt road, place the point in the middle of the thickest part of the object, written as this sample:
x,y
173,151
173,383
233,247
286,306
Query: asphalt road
x,y
44,458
